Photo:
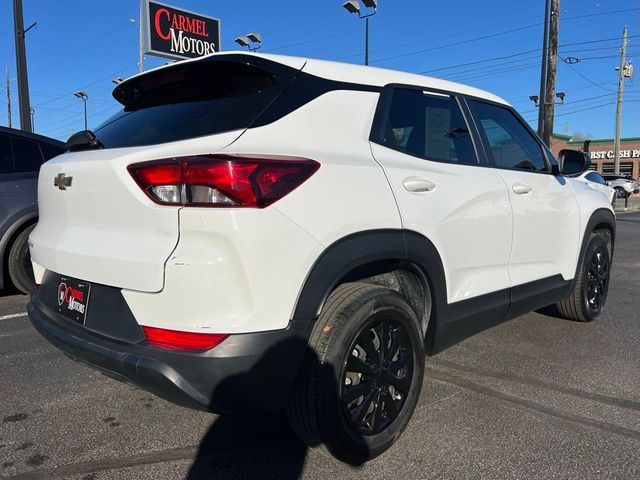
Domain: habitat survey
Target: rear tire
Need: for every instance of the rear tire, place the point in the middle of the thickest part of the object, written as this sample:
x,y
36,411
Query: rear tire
x,y
589,293
19,262
356,393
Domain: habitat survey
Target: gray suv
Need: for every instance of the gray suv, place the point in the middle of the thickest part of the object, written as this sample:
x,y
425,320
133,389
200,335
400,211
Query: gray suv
x,y
21,155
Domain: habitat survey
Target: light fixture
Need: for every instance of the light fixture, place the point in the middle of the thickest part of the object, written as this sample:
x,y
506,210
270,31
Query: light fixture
x,y
253,41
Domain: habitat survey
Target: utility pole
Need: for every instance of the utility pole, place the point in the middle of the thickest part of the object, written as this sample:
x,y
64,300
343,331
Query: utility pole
x,y
621,74
21,63
8,98
543,67
552,59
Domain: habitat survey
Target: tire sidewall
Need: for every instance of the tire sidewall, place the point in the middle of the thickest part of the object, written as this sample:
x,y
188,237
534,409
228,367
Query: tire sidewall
x,y
340,438
20,247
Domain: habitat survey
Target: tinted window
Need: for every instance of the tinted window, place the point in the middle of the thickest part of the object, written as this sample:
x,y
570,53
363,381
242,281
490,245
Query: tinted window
x,y
190,100
6,162
594,177
26,155
49,151
428,125
511,145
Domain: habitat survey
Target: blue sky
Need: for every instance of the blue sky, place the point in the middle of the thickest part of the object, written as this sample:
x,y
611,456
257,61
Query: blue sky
x,y
84,44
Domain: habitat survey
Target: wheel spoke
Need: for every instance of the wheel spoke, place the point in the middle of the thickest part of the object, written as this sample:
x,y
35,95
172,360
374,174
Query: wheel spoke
x,y
395,344
366,342
380,331
403,361
377,410
401,383
355,364
353,392
364,408
390,405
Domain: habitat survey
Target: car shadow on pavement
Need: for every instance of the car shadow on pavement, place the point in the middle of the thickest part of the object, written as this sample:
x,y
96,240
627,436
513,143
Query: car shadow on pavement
x,y
553,312
260,446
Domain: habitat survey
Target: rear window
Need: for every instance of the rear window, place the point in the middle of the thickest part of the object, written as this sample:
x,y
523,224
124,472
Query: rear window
x,y
190,100
49,151
6,159
26,155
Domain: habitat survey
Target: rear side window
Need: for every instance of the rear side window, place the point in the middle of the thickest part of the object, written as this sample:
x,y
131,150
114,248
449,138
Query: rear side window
x,y
511,145
6,160
595,178
190,100
49,151
26,155
428,125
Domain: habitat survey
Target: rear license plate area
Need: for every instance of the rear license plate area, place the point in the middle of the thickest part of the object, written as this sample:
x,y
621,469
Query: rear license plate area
x,y
72,299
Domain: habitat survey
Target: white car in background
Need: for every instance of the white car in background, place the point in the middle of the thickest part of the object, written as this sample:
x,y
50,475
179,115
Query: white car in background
x,y
598,183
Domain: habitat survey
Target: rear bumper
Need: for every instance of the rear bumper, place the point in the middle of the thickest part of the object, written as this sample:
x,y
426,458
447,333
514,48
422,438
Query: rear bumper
x,y
248,373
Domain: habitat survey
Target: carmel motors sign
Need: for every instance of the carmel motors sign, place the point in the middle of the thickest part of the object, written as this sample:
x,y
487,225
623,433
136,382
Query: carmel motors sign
x,y
610,154
175,33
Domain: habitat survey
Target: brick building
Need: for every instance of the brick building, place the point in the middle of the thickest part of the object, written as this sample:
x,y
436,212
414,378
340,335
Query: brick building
x,y
602,153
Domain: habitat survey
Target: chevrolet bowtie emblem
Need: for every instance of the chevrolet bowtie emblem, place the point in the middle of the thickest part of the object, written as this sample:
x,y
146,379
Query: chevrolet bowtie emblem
x,y
62,181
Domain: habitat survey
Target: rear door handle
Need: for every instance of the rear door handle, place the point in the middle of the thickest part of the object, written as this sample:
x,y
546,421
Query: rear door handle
x,y
521,188
418,185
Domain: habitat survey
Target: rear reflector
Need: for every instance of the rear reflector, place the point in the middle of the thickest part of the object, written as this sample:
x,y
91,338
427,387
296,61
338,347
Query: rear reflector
x,y
222,180
176,340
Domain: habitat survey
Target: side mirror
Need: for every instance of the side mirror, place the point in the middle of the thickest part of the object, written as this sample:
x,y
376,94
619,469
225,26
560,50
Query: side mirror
x,y
83,140
573,162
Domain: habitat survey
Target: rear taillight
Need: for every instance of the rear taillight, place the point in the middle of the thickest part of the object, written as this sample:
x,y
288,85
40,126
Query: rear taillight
x,y
177,340
222,180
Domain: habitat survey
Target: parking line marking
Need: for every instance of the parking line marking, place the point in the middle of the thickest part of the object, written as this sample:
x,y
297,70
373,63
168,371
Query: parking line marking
x,y
13,315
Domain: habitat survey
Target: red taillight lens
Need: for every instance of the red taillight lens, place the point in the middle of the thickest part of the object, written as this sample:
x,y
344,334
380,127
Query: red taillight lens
x,y
222,180
176,340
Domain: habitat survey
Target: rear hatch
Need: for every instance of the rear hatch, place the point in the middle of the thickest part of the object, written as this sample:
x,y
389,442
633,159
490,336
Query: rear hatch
x,y
96,224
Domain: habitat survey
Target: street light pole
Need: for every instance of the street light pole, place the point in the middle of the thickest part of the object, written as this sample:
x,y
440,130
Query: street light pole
x,y
140,41
366,41
353,6
82,95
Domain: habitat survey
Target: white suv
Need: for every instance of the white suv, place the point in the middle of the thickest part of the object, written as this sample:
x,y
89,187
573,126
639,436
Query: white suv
x,y
257,233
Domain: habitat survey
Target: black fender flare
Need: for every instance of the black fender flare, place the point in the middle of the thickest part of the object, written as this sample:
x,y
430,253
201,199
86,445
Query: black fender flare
x,y
600,218
362,248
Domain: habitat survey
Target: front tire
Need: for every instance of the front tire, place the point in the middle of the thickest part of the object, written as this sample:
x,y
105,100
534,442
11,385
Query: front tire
x,y
19,262
362,378
589,293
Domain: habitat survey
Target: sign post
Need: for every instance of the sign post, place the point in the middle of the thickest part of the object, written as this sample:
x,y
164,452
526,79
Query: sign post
x,y
174,33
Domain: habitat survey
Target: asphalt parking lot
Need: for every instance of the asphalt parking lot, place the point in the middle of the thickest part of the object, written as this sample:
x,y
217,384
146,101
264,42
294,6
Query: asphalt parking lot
x,y
536,398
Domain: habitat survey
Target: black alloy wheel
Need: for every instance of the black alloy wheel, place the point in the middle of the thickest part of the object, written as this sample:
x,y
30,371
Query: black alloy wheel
x,y
597,281
376,376
362,375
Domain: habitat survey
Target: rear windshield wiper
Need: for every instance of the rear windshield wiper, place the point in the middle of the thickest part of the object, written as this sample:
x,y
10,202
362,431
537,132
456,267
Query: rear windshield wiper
x,y
83,140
